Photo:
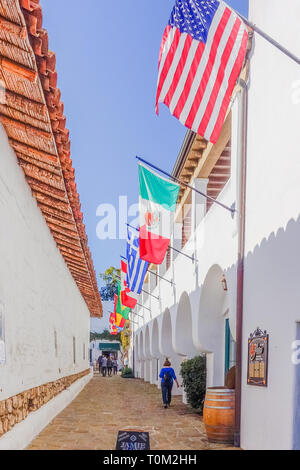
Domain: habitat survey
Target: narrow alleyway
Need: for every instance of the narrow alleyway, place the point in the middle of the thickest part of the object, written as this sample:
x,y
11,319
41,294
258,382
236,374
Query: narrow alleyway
x,y
108,405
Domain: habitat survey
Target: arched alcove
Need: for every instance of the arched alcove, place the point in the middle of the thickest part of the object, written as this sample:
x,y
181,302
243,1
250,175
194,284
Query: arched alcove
x,y
211,324
184,328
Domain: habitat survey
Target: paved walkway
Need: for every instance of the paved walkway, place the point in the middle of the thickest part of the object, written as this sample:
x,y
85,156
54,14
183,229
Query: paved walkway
x,y
111,404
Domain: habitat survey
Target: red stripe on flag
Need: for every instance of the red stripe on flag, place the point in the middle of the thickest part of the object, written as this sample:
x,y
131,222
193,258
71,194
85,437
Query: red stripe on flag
x,y
180,67
189,80
163,42
231,84
153,247
167,64
220,77
209,67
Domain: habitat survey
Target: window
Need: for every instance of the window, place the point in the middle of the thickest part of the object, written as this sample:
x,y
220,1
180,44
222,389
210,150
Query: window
x,y
74,349
229,348
55,343
186,227
168,258
2,343
220,175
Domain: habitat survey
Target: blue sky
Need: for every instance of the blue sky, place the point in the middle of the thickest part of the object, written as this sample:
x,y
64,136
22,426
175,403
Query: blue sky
x,y
107,56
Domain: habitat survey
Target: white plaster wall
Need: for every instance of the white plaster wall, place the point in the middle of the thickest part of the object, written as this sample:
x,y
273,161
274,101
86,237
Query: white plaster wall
x,y
37,292
272,294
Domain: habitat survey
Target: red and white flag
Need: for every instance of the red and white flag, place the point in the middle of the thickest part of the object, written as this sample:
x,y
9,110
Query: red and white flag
x,y
201,57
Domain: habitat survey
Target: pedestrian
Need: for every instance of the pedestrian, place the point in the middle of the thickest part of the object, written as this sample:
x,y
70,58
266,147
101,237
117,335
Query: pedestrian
x,y
167,376
115,366
104,366
100,363
109,366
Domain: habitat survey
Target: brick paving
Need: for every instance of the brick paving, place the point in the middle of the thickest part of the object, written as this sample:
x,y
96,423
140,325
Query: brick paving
x,y
110,404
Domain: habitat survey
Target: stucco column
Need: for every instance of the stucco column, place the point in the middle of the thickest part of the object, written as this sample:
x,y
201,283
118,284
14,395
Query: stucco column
x,y
198,201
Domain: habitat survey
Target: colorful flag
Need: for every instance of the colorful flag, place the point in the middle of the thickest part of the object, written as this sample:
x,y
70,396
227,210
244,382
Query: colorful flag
x,y
128,298
120,308
158,198
112,327
118,319
201,57
136,267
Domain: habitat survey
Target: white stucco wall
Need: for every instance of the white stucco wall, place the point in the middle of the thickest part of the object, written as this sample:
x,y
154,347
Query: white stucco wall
x,y
272,278
38,295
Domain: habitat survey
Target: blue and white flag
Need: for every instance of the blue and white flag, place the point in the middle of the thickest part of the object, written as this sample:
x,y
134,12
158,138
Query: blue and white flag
x,y
137,268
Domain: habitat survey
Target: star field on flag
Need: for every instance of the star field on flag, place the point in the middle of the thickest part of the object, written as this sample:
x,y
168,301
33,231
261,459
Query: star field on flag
x,y
201,57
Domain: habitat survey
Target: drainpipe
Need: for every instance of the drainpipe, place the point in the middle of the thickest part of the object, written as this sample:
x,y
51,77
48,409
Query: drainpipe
x,y
242,155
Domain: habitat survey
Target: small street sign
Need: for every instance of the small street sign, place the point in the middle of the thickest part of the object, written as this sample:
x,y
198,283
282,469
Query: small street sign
x,y
133,440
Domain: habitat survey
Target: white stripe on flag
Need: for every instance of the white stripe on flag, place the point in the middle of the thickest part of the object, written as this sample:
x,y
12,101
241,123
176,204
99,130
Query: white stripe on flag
x,y
169,78
167,47
223,90
184,75
213,76
203,63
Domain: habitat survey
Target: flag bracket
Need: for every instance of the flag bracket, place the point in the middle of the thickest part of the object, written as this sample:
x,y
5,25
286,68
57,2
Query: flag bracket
x,y
171,247
163,278
215,201
140,305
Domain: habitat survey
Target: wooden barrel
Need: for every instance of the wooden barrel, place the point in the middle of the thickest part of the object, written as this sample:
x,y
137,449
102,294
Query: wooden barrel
x,y
219,414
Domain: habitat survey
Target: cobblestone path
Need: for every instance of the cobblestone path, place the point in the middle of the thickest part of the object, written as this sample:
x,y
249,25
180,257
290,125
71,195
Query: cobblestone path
x,y
111,404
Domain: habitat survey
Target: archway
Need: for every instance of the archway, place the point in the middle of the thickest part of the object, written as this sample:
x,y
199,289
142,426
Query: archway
x,y
184,344
211,325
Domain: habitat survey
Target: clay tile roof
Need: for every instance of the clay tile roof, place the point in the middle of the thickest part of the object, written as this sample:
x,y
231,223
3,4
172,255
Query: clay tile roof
x,y
33,117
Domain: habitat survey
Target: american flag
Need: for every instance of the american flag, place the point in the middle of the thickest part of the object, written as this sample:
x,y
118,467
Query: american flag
x,y
201,57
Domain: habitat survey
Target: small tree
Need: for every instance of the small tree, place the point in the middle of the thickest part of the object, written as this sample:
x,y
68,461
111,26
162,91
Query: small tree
x,y
110,278
105,335
193,373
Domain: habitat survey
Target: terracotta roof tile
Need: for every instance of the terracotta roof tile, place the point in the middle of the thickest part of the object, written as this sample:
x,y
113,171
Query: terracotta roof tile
x,y
33,117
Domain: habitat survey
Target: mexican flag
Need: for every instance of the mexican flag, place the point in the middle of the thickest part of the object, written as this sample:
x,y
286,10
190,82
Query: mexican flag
x,y
120,308
158,198
128,298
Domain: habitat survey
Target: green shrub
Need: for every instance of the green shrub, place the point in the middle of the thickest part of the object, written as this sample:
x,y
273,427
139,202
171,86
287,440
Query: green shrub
x,y
193,373
127,373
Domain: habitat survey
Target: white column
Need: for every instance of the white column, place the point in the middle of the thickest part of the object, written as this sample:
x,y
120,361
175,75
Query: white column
x,y
198,201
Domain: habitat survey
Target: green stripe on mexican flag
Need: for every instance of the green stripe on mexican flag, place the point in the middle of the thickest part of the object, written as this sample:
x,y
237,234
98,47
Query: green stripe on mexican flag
x,y
158,198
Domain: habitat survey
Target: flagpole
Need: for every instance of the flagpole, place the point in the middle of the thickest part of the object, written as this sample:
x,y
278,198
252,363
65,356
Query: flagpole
x,y
140,305
163,278
269,39
230,209
151,295
171,247
141,316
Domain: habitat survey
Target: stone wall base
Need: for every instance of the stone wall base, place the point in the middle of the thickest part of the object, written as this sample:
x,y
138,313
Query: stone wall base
x,y
17,408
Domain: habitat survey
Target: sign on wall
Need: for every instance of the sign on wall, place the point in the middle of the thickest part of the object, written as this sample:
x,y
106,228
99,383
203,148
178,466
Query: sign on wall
x,y
258,350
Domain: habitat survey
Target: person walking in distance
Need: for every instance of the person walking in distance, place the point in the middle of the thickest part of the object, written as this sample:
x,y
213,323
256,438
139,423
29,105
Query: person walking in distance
x,y
104,366
100,363
109,366
167,376
115,366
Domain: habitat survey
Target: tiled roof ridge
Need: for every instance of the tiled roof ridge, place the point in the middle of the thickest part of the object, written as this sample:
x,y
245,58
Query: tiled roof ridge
x,y
46,65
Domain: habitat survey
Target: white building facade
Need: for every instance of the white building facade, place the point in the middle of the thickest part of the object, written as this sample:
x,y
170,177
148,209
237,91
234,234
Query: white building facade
x,y
196,313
